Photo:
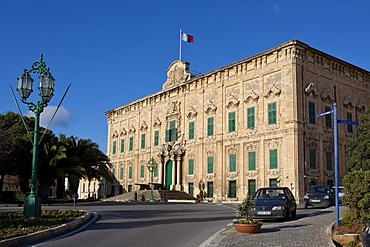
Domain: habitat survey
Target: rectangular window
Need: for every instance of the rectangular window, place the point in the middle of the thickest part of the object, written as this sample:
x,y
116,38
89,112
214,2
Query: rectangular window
x,y
156,138
251,187
122,145
191,130
191,167
232,163
210,165
273,182
209,189
130,172
349,126
273,159
210,126
231,121
232,189
250,118
121,173
311,112
329,161
114,148
251,161
129,188
328,123
142,171
113,172
271,109
312,154
191,189
131,144
171,132
142,141
155,172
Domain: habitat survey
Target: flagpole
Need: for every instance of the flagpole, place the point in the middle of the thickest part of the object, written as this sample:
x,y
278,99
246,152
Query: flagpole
x,y
180,45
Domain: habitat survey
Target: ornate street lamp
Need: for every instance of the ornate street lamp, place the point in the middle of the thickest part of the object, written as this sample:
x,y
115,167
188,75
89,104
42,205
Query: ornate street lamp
x,y
32,203
152,165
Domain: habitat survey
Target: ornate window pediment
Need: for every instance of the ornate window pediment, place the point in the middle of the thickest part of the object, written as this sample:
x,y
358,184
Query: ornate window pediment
x,y
210,108
131,130
250,94
311,90
232,101
123,132
157,122
115,134
172,108
143,126
272,89
191,112
361,105
348,101
327,95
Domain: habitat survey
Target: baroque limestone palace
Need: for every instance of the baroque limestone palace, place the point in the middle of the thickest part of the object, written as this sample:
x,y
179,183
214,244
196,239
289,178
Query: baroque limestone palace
x,y
240,127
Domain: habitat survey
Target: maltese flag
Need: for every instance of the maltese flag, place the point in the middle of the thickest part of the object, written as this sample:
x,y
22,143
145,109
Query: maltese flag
x,y
188,38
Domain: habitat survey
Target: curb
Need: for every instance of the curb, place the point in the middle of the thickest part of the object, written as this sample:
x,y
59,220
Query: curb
x,y
45,234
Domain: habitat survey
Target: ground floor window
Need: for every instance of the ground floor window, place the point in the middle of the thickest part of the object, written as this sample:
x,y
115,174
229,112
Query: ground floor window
x,y
209,189
273,182
232,189
129,189
251,187
191,188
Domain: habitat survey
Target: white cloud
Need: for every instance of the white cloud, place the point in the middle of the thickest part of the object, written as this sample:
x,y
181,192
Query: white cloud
x,y
61,119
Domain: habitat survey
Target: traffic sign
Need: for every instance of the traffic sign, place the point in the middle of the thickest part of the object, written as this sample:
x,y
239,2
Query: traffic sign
x,y
325,113
348,122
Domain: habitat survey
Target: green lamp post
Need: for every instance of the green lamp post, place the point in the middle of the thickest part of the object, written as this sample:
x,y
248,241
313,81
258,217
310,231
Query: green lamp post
x,y
152,165
32,203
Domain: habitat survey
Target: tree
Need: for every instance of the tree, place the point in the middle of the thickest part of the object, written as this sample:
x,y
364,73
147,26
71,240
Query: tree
x,y
357,181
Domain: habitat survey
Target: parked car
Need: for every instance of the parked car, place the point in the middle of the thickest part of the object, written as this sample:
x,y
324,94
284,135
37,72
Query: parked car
x,y
341,193
274,203
319,196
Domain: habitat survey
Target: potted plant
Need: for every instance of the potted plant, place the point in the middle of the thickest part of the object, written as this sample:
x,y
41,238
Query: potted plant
x,y
245,224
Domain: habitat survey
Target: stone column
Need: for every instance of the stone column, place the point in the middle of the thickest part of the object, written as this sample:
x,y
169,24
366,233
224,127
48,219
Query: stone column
x,y
178,173
173,185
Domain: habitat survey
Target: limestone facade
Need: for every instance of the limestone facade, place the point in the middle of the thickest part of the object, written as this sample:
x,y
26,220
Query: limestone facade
x,y
246,125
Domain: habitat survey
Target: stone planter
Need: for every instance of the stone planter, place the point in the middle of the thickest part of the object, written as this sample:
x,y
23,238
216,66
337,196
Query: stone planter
x,y
344,239
248,228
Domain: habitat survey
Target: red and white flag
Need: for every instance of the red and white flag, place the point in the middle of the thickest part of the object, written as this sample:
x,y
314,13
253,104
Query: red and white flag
x,y
186,37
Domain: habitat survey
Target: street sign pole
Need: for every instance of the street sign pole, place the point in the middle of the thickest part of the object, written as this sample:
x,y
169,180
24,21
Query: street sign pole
x,y
336,170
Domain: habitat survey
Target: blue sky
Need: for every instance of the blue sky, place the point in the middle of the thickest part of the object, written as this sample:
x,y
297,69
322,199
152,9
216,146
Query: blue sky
x,y
114,52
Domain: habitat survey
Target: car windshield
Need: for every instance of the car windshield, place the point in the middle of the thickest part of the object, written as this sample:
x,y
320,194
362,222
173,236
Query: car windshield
x,y
270,194
319,189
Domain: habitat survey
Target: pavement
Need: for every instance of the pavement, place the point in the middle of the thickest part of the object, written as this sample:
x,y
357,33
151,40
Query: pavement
x,y
313,231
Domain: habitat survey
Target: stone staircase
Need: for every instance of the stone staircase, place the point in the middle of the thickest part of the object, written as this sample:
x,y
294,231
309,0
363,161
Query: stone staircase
x,y
159,195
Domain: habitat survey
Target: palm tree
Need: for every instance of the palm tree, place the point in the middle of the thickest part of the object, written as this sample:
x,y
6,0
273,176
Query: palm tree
x,y
93,162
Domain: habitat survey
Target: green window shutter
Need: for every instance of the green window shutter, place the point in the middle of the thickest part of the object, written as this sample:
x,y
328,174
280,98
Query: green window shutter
x,y
121,173
250,118
329,161
251,161
251,187
191,130
122,145
273,159
349,126
142,141
312,112
328,123
232,189
209,189
155,172
130,172
210,165
312,153
271,108
210,126
131,145
114,148
171,132
191,167
113,172
156,138
191,189
273,182
232,162
167,138
142,167
231,121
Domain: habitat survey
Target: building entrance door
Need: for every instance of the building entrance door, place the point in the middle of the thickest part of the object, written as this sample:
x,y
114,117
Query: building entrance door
x,y
169,175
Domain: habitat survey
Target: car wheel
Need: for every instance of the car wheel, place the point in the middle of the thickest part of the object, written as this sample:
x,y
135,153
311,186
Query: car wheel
x,y
294,214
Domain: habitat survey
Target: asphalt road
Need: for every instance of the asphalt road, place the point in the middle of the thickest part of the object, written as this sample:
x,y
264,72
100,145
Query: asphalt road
x,y
158,224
